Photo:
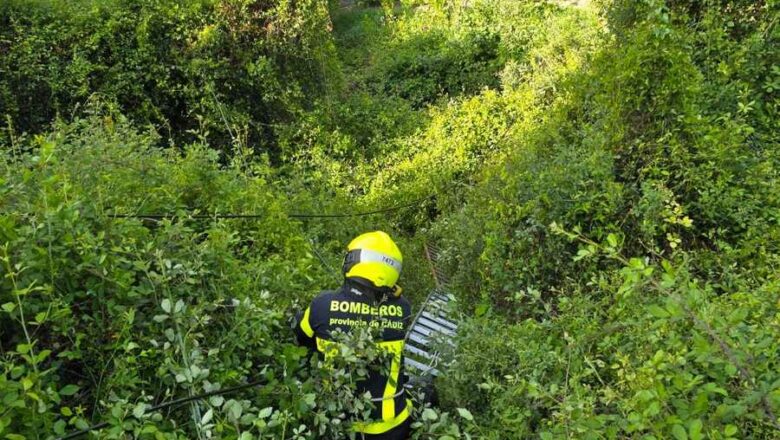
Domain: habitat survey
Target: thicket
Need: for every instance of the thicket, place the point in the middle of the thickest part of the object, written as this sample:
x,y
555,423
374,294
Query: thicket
x,y
623,255
104,317
231,69
602,180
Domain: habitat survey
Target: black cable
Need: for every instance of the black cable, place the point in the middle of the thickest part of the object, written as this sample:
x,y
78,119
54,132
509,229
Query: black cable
x,y
332,270
293,215
361,214
102,425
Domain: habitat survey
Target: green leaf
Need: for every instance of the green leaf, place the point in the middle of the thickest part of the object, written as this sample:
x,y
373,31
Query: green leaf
x,y
69,390
546,436
429,415
657,311
166,305
730,430
159,318
265,412
15,437
738,315
674,309
59,427
679,432
636,263
139,410
234,409
207,417
40,357
694,430
8,307
582,253
466,414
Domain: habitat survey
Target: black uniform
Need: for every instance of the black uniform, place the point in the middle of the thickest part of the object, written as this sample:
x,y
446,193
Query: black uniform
x,y
354,306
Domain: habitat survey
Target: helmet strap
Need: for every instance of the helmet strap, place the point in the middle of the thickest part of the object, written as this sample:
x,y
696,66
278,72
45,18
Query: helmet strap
x,y
350,259
377,294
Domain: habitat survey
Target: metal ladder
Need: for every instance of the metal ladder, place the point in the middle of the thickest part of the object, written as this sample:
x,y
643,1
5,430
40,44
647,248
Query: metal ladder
x,y
433,324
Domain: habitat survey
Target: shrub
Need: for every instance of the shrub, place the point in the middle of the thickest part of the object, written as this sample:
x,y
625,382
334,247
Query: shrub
x,y
230,68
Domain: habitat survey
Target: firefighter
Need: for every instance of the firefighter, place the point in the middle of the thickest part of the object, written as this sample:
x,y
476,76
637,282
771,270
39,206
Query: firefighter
x,y
369,297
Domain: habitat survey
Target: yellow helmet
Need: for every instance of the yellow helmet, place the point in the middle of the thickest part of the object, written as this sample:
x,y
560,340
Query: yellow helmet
x,y
375,257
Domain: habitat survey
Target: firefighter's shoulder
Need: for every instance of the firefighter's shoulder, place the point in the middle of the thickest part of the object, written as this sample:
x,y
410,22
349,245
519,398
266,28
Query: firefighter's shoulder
x,y
402,301
321,302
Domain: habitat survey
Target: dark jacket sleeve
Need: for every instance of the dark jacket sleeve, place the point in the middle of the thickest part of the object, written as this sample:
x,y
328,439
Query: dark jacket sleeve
x,y
304,331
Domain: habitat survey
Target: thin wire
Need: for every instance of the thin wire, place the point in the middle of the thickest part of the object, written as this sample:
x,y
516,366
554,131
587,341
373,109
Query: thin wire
x,y
102,425
293,215
362,214
332,270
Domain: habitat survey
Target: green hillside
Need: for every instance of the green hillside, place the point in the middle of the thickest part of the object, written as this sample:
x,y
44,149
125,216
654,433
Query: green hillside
x,y
602,178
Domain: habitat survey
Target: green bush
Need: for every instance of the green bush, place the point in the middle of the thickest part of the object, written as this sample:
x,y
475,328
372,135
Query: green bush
x,y
231,68
647,362
97,310
655,148
601,181
425,67
104,316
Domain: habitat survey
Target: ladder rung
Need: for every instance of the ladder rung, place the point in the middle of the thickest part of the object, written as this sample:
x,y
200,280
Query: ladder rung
x,y
425,331
439,320
423,335
436,305
436,327
437,315
436,302
419,352
419,339
440,297
424,369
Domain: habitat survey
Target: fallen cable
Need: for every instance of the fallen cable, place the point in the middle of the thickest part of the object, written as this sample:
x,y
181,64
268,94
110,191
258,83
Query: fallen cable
x,y
102,425
293,215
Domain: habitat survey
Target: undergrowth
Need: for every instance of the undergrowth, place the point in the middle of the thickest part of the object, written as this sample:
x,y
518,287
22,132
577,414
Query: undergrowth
x,y
602,181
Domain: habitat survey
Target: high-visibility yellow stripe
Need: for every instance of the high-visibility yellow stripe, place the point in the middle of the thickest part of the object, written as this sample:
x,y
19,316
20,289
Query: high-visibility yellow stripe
x,y
388,399
305,325
388,404
328,348
385,425
389,418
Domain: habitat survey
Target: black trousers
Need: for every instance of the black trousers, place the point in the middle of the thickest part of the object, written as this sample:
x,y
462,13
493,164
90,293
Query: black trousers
x,y
400,432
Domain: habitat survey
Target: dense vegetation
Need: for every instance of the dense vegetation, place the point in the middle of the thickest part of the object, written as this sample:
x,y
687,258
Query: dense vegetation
x,y
602,178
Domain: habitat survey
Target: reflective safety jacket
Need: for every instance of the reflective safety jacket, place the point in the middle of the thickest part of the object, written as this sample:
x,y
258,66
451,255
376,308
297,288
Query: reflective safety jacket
x,y
351,307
